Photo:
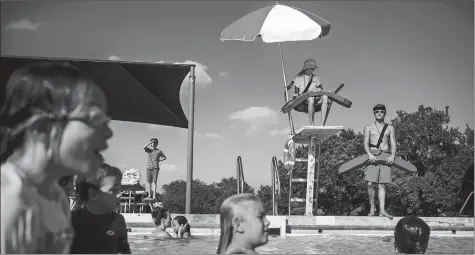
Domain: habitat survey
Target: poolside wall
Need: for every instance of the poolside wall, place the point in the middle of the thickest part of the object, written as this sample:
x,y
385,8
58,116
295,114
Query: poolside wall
x,y
301,224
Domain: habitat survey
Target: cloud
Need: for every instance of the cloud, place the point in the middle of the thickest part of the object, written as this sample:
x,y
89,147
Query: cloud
x,y
208,135
23,24
157,127
256,118
114,57
168,167
203,79
232,126
223,74
276,132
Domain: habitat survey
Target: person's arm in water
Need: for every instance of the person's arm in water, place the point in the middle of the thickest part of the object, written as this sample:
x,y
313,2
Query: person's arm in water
x,y
123,242
366,141
392,137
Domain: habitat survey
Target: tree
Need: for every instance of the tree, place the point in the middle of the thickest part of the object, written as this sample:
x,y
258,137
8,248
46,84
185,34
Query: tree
x,y
207,198
441,155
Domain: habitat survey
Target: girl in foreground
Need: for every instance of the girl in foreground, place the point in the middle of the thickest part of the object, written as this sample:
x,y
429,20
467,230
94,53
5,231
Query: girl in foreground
x,y
99,229
411,235
57,122
243,225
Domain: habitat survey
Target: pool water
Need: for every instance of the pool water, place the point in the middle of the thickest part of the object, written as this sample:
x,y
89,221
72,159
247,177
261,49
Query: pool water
x,y
207,244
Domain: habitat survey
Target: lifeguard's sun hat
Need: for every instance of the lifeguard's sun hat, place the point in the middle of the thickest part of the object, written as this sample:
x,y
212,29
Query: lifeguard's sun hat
x,y
309,63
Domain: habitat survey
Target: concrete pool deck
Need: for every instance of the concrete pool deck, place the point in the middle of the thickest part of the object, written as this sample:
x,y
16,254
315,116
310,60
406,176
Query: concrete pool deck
x,y
307,225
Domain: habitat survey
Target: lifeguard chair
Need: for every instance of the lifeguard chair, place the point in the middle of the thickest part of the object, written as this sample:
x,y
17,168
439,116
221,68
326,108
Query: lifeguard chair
x,y
313,136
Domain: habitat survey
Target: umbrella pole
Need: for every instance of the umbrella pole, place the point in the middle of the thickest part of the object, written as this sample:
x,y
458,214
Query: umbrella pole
x,y
292,131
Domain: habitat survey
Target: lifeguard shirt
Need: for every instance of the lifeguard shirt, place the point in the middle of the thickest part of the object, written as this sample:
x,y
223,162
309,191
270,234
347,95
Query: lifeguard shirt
x,y
301,82
106,233
154,158
32,223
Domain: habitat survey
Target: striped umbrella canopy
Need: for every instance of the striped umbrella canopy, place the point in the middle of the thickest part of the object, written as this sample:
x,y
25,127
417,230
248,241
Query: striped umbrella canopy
x,y
278,23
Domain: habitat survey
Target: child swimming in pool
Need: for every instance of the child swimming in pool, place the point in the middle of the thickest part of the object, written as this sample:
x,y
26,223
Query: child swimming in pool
x,y
99,229
181,227
411,235
162,219
243,225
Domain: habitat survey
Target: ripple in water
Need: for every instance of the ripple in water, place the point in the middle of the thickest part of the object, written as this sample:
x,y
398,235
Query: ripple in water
x,y
301,244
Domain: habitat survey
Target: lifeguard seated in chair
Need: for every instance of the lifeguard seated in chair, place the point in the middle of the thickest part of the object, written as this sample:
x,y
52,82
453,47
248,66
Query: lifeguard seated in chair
x,y
305,81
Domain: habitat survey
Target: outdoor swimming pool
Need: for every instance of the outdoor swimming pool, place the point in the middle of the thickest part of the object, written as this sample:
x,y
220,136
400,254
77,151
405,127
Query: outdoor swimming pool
x,y
207,244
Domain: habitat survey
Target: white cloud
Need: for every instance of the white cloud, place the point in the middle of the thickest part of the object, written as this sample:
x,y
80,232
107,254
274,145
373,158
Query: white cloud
x,y
232,126
157,127
208,135
23,24
275,132
168,167
114,57
203,79
223,74
257,118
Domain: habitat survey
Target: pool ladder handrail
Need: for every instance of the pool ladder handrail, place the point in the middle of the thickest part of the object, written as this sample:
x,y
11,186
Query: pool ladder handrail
x,y
275,180
463,207
239,176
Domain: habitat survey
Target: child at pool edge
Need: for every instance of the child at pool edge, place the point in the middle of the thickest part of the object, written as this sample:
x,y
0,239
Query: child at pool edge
x,y
243,225
98,228
181,227
411,235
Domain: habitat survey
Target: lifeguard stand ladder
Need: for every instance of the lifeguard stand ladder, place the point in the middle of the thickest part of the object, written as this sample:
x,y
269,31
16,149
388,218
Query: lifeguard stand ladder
x,y
314,136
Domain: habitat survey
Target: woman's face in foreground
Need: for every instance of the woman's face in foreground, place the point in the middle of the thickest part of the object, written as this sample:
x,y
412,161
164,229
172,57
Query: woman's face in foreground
x,y
84,138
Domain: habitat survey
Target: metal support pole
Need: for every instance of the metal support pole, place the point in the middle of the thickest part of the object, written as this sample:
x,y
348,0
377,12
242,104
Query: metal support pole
x,y
310,176
291,122
191,130
317,181
273,186
290,190
238,175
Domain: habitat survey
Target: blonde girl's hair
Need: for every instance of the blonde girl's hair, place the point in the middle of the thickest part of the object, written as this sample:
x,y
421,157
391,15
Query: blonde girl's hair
x,y
227,212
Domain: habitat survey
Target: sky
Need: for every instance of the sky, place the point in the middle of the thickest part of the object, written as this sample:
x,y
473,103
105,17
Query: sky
x,y
399,53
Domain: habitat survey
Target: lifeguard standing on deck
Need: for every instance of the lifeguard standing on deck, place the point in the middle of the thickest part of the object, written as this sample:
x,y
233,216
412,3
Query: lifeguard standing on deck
x,y
376,137
306,80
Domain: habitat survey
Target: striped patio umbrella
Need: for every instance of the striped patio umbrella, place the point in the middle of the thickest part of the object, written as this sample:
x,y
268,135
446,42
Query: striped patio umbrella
x,y
275,24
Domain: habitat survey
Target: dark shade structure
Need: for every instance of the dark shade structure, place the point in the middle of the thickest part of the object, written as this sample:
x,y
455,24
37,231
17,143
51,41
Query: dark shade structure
x,y
137,92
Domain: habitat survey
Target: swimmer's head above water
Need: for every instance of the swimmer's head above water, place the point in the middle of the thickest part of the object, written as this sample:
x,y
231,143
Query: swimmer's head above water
x,y
161,216
411,235
243,224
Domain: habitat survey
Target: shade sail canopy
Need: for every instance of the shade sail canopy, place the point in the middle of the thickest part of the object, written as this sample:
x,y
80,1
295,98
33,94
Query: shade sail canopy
x,y
137,92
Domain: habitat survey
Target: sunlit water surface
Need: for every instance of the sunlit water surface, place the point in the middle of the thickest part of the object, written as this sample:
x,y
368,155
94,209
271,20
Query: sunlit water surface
x,y
141,244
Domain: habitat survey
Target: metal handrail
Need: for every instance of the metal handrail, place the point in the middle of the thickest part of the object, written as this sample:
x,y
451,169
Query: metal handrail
x,y
239,176
275,179
466,201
